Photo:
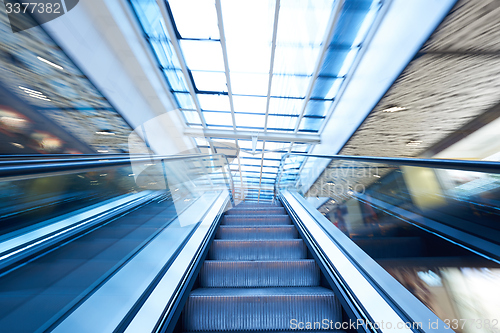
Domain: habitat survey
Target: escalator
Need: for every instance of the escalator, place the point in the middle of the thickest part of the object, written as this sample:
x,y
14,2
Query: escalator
x,y
258,277
187,258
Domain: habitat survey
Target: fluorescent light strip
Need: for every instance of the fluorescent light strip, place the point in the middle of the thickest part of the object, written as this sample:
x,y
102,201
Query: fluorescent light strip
x,y
50,63
30,91
44,98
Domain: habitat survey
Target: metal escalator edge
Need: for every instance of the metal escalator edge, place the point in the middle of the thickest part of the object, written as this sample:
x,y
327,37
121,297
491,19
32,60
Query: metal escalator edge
x,y
144,295
367,291
26,244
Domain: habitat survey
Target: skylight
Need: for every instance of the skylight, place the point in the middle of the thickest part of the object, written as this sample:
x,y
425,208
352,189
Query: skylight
x,y
256,68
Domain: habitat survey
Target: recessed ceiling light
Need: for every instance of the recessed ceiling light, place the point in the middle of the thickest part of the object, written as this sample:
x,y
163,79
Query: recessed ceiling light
x,y
34,94
102,151
105,133
414,143
30,91
49,63
377,176
40,97
18,145
394,109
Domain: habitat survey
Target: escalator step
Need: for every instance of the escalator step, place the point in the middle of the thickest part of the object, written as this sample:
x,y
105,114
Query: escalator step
x,y
230,274
257,250
227,309
259,210
256,220
252,232
255,204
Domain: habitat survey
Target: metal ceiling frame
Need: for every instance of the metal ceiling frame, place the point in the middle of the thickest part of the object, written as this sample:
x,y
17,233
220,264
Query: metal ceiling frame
x,y
264,135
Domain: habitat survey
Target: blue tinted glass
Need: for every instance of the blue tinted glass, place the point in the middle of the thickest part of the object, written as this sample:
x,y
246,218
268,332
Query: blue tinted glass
x,y
317,108
184,100
310,124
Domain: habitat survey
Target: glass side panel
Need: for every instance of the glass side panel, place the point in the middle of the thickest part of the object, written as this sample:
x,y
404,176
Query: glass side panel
x,y
148,197
435,231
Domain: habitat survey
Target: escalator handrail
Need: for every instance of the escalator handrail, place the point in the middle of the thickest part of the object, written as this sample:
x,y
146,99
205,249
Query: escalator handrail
x,y
436,163
29,167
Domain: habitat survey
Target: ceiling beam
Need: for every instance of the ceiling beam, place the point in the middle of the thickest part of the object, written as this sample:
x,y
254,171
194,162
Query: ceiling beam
x,y
230,134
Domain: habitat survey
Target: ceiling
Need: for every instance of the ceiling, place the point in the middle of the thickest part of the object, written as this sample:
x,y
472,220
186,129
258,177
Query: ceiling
x,y
452,82
258,75
55,106
453,79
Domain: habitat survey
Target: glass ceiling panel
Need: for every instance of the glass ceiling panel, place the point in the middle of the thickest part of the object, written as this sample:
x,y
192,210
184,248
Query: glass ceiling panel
x,y
290,86
249,161
350,21
192,117
299,60
249,83
303,22
250,168
218,118
285,106
249,120
301,29
270,145
310,124
349,60
333,62
326,87
272,155
249,104
269,170
281,123
214,102
203,55
210,81
367,22
247,144
270,163
302,148
202,12
248,27
185,101
317,108
176,79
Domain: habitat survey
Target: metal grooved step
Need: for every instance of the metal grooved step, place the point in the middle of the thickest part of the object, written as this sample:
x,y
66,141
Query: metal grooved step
x,y
256,220
230,274
252,211
256,278
257,232
224,309
257,250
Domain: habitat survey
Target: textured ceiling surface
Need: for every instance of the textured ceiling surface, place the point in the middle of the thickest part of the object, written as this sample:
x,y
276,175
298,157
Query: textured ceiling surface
x,y
35,70
454,78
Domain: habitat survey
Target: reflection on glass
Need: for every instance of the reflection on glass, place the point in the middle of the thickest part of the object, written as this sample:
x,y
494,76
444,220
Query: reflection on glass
x,y
433,230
